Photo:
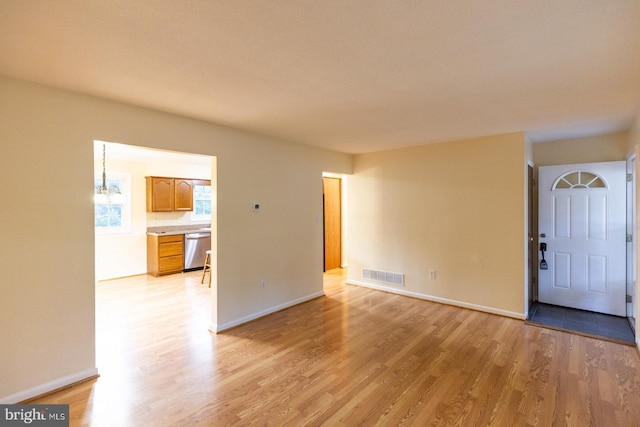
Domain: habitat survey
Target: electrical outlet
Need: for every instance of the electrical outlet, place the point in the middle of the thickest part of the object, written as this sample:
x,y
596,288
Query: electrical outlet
x,y
432,274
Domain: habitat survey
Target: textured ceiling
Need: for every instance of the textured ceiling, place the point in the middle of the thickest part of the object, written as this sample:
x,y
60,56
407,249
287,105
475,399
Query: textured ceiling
x,y
349,75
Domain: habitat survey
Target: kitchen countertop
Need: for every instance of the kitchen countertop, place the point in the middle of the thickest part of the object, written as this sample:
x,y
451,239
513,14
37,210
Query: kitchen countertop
x,y
178,229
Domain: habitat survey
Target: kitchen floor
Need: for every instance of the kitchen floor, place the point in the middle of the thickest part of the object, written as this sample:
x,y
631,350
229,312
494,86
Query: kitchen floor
x,y
597,325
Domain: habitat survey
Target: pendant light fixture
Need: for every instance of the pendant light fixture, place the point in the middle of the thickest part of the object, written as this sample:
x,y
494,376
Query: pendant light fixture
x,y
104,194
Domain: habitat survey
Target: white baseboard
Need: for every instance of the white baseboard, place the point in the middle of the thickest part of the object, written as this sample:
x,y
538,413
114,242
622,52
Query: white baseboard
x,y
440,300
48,387
215,328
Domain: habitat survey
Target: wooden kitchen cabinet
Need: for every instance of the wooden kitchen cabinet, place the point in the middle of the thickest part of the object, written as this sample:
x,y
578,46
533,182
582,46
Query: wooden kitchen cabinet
x,y
165,254
160,194
169,194
183,194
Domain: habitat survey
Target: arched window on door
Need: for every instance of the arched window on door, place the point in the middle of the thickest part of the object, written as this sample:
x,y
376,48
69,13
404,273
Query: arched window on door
x,y
579,179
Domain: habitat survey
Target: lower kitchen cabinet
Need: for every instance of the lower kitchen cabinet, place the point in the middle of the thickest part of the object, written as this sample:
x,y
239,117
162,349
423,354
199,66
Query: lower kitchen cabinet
x,y
165,254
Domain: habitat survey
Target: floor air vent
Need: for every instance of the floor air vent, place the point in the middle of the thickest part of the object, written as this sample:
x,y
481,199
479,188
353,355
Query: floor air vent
x,y
396,279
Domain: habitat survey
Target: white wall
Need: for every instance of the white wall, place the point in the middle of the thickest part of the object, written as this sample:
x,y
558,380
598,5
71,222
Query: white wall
x,y
47,312
457,208
271,244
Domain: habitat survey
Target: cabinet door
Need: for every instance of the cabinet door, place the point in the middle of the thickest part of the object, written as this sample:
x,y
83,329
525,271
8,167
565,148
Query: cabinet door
x,y
170,249
183,194
160,192
172,264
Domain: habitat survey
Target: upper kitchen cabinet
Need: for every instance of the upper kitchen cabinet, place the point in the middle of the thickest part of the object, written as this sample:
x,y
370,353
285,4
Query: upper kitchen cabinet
x,y
160,194
169,194
183,194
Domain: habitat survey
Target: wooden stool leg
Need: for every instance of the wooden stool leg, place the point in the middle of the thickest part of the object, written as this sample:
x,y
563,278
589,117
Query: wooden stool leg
x,y
204,269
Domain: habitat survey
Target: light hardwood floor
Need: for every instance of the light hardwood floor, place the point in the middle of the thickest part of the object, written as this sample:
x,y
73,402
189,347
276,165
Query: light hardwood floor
x,y
354,357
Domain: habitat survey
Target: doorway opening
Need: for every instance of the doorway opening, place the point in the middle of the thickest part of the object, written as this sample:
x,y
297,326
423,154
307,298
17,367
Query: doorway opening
x,y
334,203
585,213
121,254
121,229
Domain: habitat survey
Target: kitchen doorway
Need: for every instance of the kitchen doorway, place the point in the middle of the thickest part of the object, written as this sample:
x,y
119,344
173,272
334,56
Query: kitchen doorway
x,y
122,251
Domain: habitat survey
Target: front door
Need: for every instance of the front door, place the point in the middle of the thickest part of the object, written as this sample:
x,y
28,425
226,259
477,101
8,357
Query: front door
x,y
582,221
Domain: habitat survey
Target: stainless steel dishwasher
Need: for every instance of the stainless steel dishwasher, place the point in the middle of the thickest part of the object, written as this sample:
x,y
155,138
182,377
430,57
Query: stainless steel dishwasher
x,y
195,247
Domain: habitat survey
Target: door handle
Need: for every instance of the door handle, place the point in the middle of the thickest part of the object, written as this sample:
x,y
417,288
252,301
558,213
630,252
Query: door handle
x,y
543,262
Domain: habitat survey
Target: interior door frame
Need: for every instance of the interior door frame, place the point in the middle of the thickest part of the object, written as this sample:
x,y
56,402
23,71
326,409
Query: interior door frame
x,y
531,291
632,248
636,208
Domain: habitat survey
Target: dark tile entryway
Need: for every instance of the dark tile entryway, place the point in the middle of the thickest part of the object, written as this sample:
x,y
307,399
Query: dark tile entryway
x,y
598,325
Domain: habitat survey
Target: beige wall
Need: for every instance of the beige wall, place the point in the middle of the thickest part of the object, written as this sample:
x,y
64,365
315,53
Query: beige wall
x,y
457,208
47,311
602,148
634,136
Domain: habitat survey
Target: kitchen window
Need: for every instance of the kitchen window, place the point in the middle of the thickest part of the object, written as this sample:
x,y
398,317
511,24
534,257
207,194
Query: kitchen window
x,y
201,202
113,214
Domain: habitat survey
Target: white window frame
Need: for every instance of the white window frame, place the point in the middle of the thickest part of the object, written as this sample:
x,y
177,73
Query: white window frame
x,y
125,180
199,217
